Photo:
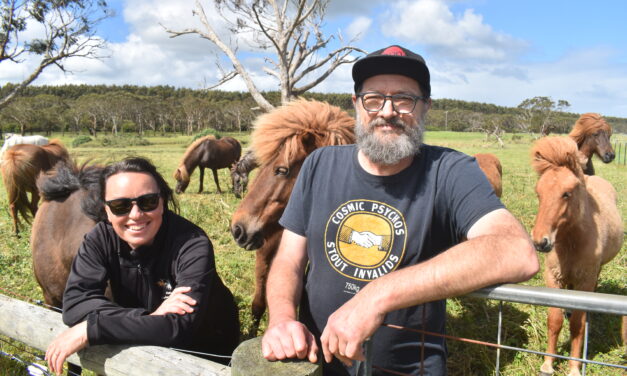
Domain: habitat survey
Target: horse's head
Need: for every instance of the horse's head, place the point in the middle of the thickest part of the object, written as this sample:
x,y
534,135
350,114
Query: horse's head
x,y
240,181
258,214
282,140
182,179
561,189
592,134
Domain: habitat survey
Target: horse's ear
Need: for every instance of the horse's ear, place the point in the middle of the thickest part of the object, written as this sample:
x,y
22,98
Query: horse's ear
x,y
582,159
177,174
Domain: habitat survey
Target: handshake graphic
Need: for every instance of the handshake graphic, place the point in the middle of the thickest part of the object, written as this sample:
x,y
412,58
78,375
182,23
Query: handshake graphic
x,y
366,239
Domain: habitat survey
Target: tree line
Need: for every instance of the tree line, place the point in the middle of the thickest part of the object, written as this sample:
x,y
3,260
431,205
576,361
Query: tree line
x,y
103,109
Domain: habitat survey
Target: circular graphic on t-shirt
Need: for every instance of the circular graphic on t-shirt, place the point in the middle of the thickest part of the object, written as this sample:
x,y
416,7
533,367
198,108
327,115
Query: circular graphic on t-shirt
x,y
365,239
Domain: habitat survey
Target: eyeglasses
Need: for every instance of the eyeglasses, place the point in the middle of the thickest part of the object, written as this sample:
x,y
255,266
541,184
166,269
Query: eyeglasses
x,y
123,206
401,103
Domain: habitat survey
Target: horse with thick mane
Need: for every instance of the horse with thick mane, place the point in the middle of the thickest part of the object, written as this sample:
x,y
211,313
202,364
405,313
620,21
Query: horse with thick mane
x,y
592,134
281,140
579,225
20,168
71,207
206,152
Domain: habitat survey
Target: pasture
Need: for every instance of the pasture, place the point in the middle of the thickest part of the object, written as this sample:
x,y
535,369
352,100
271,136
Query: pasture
x,y
523,326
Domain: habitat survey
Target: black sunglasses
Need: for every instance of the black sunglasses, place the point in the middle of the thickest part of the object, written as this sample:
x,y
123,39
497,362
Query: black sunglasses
x,y
123,206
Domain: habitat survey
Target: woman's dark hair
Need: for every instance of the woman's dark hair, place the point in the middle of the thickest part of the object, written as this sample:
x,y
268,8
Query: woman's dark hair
x,y
139,164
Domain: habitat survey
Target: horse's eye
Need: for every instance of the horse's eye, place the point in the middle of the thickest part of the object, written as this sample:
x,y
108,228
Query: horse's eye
x,y
282,171
566,195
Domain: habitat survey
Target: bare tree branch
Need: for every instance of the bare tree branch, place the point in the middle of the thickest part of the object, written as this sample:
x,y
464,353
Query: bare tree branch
x,y
291,29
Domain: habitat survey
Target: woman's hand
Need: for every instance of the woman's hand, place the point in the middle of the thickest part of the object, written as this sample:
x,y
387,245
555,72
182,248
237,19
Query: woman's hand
x,y
66,344
177,302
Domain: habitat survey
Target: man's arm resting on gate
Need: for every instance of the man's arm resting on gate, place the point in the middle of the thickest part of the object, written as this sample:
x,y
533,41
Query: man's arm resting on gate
x,y
498,250
285,336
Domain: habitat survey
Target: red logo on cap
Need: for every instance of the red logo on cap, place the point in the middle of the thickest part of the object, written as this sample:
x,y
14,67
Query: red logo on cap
x,y
394,50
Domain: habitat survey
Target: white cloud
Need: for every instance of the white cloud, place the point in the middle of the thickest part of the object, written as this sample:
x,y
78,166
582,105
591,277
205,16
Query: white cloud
x,y
358,28
431,24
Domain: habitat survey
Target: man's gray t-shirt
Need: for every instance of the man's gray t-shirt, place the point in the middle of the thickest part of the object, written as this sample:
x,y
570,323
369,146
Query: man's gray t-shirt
x,y
361,226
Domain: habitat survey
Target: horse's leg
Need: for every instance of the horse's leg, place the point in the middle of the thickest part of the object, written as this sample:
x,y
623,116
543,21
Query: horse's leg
x,y
262,265
577,325
215,178
624,333
202,177
13,210
554,321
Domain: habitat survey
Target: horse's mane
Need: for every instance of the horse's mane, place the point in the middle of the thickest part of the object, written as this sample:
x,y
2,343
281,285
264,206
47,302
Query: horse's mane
x,y
246,164
66,178
298,126
588,124
181,171
553,152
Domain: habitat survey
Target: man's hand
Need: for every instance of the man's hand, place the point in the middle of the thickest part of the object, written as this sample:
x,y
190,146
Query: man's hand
x,y
348,327
289,339
66,344
177,302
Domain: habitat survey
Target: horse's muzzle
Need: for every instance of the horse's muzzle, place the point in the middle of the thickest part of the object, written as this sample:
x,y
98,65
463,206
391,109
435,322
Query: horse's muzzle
x,y
250,241
544,245
608,157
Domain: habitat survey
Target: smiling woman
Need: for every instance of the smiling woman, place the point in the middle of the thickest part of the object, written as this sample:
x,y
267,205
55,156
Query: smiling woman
x,y
160,269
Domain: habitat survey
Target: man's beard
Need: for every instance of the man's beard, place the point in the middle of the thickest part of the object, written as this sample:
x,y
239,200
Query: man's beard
x,y
386,150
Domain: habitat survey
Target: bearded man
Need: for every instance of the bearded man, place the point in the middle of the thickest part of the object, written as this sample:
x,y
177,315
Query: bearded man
x,y
383,232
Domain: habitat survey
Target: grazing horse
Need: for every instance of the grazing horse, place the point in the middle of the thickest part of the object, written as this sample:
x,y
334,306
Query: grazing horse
x,y
71,207
281,139
20,168
206,152
11,139
592,135
579,225
491,167
240,172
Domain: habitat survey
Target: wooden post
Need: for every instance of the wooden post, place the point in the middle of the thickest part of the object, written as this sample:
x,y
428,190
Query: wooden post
x,y
37,327
248,361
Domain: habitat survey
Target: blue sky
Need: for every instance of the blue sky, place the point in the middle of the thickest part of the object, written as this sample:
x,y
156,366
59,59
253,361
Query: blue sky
x,y
493,51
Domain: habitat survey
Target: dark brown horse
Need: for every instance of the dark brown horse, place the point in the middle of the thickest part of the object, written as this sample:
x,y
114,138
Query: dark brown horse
x,y
207,152
592,135
281,140
20,168
71,207
491,167
579,225
240,172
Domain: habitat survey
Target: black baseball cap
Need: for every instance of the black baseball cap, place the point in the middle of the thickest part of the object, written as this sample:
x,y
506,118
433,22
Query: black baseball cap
x,y
393,60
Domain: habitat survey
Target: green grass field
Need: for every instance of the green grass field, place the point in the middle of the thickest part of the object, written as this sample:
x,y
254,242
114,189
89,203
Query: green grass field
x,y
524,325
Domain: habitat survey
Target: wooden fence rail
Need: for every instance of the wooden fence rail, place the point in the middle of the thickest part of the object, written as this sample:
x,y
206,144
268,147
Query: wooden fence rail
x,y
37,327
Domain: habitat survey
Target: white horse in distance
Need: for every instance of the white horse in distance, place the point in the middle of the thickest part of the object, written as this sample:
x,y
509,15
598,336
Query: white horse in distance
x,y
11,139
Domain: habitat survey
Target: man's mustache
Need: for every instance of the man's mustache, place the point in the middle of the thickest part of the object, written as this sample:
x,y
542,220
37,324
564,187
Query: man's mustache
x,y
393,121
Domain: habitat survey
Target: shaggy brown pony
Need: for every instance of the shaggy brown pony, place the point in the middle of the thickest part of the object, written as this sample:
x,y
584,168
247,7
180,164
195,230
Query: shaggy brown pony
x,y
281,140
71,207
206,152
579,225
491,167
592,135
20,168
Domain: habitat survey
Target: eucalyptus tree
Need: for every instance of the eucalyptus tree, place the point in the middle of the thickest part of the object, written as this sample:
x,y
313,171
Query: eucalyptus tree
x,y
301,56
48,32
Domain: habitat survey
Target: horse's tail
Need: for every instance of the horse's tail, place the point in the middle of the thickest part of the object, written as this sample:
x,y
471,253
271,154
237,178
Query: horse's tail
x,y
19,175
